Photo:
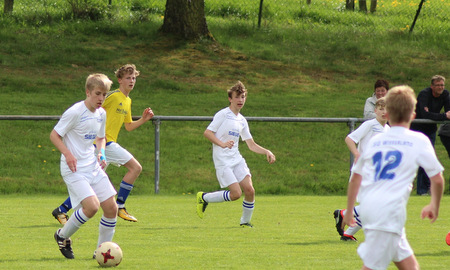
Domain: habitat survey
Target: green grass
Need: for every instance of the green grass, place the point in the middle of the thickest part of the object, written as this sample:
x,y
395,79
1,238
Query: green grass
x,y
304,68
291,232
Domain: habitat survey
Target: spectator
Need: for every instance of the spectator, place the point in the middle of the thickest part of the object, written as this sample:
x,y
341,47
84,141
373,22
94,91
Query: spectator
x,y
380,90
430,102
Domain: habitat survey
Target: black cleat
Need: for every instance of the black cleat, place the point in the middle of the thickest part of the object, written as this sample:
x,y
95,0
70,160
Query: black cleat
x,y
64,245
347,237
338,218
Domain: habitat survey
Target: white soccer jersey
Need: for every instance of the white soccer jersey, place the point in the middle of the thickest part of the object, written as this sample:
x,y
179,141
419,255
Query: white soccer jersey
x,y
228,126
79,127
388,167
365,132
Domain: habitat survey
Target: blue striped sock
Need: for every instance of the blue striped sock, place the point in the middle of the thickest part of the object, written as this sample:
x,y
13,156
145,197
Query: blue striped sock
x,y
123,193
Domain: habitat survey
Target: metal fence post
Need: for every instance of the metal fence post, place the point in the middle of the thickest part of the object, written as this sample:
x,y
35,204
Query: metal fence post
x,y
351,125
157,123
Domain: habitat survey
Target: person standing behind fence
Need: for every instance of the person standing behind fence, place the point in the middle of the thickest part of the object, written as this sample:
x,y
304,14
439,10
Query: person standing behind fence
x,y
430,102
380,90
118,108
231,169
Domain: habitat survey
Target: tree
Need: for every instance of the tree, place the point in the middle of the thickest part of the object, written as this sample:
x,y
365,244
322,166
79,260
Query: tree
x,y
373,6
8,6
186,19
363,6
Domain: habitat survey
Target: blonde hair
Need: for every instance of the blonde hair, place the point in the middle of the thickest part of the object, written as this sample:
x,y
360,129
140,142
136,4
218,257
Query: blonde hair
x,y
239,88
98,80
400,104
381,103
126,69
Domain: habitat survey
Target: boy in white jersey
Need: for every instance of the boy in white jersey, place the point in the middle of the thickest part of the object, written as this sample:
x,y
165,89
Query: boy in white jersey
x,y
88,185
118,108
231,169
361,136
383,175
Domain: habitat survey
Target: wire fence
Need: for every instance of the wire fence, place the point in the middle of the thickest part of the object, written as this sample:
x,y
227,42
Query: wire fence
x,y
395,14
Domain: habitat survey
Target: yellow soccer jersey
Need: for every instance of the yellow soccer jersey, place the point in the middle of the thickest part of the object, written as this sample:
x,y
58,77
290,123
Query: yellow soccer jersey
x,y
118,111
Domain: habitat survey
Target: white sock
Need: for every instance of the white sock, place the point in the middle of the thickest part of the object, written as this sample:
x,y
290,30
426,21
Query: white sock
x,y
73,224
352,230
106,229
355,229
217,196
247,211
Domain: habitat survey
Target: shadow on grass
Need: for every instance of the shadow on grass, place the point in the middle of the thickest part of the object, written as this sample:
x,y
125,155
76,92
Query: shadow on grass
x,y
435,254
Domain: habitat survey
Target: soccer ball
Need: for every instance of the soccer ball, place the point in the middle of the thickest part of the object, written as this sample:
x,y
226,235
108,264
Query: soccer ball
x,y
108,254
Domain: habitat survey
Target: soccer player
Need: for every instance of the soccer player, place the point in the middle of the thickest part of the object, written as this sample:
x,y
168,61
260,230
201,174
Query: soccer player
x,y
383,175
361,136
88,185
118,108
231,169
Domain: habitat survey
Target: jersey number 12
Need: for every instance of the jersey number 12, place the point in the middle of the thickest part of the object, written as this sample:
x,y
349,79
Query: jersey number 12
x,y
385,165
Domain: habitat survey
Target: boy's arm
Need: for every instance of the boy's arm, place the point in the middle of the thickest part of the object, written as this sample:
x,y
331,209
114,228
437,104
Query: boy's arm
x,y
210,135
352,192
431,211
71,161
146,115
260,150
352,147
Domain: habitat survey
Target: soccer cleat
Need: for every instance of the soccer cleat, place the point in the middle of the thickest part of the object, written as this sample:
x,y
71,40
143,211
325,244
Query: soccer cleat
x,y
347,237
246,225
122,213
60,216
338,218
64,245
201,204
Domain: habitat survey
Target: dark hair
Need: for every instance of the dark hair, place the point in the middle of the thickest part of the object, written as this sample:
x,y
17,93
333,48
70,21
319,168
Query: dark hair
x,y
381,83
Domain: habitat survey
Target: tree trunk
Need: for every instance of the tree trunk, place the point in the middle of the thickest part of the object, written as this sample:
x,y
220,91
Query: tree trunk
x,y
186,19
349,4
308,2
373,6
363,6
8,7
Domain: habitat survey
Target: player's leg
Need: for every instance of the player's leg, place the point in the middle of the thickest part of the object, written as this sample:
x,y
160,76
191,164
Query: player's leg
x,y
60,213
348,235
248,203
409,263
405,258
108,221
134,170
226,178
80,216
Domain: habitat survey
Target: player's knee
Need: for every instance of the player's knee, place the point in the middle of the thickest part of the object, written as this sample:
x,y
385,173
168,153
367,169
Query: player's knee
x,y
91,210
235,194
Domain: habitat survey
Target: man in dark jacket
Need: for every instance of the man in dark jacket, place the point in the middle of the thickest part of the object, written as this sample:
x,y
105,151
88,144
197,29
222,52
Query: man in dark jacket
x,y
430,102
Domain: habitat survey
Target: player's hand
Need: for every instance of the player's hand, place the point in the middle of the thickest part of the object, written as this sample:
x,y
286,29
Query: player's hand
x,y
348,219
101,160
148,114
71,161
270,157
429,212
228,144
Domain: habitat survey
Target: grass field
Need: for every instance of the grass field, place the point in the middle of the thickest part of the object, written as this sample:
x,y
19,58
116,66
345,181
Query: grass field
x,y
291,232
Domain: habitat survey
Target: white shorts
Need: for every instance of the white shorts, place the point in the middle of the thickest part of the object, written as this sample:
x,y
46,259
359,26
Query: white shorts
x,y
116,154
234,174
85,183
380,248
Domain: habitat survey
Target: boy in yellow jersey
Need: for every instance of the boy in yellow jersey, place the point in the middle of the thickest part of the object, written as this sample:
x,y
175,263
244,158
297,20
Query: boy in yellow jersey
x,y
118,110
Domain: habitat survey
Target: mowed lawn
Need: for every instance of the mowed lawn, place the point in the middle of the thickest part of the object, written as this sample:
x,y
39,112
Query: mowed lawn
x,y
291,232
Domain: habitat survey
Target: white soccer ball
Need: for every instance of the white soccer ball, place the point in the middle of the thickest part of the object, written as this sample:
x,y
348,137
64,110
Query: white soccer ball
x,y
108,254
